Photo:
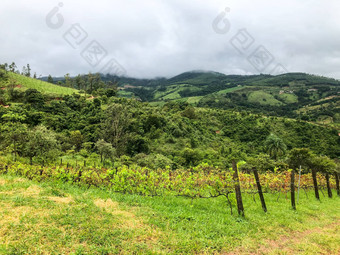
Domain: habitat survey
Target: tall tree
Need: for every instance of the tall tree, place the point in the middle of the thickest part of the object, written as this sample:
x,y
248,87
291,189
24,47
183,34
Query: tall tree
x,y
105,149
28,70
275,146
41,144
68,80
49,79
14,137
12,67
115,126
76,139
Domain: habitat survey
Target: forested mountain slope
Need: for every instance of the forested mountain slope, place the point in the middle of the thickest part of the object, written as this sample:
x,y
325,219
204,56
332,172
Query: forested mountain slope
x,y
127,131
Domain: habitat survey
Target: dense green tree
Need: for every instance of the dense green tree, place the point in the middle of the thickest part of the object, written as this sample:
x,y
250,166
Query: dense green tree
x,y
115,126
14,135
105,150
42,145
49,79
275,146
76,139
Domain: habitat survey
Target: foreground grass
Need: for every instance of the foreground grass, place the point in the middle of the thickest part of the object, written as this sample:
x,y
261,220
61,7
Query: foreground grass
x,y
51,218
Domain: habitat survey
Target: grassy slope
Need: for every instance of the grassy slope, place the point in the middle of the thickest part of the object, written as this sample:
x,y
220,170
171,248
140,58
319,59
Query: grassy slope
x,y
59,218
44,87
263,98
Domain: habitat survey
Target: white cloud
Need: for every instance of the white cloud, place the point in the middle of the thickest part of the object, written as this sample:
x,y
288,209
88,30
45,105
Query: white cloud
x,y
163,38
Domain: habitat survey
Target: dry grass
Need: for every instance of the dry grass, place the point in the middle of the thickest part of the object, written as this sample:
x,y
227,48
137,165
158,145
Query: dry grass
x,y
62,200
31,221
131,222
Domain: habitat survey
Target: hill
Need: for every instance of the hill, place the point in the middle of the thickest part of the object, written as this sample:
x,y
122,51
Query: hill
x,y
10,80
296,95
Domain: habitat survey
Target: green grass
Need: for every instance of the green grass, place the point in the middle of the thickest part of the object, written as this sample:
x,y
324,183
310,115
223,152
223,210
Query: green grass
x,y
289,98
172,92
226,91
172,96
263,98
124,93
44,87
194,100
52,218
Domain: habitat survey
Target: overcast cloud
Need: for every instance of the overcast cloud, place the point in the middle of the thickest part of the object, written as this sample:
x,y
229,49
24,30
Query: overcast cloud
x,y
152,38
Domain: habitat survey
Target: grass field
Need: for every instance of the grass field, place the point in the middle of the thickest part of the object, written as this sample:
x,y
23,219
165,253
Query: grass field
x,y
263,98
226,91
289,98
51,218
44,87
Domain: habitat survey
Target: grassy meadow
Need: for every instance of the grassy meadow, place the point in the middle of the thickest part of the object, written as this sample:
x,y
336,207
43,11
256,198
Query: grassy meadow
x,y
43,87
56,218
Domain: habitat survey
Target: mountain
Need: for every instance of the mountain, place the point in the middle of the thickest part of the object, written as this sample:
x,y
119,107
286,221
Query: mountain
x,y
296,95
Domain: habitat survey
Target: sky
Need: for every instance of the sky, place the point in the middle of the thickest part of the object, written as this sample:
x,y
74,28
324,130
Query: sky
x,y
163,38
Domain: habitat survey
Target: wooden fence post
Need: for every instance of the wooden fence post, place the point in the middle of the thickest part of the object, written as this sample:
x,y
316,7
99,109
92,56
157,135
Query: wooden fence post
x,y
259,188
299,185
330,194
237,189
337,183
292,188
315,182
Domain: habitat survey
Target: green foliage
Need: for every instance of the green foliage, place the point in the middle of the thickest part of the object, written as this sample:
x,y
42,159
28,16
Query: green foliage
x,y
105,149
41,145
300,157
275,146
41,86
295,95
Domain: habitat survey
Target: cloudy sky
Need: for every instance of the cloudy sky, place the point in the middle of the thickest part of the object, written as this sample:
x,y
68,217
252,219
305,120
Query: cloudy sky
x,y
152,38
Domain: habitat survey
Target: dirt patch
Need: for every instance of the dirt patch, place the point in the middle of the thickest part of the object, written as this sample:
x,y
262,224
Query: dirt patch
x,y
3,182
61,200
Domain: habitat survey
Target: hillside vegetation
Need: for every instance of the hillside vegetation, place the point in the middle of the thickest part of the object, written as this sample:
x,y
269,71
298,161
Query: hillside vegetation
x,y
103,174
296,95
14,81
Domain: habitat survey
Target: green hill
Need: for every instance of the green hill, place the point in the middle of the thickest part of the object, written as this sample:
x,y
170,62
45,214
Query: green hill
x,y
296,95
21,82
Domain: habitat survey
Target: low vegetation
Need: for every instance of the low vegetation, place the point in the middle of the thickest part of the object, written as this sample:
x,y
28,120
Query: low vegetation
x,y
52,217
